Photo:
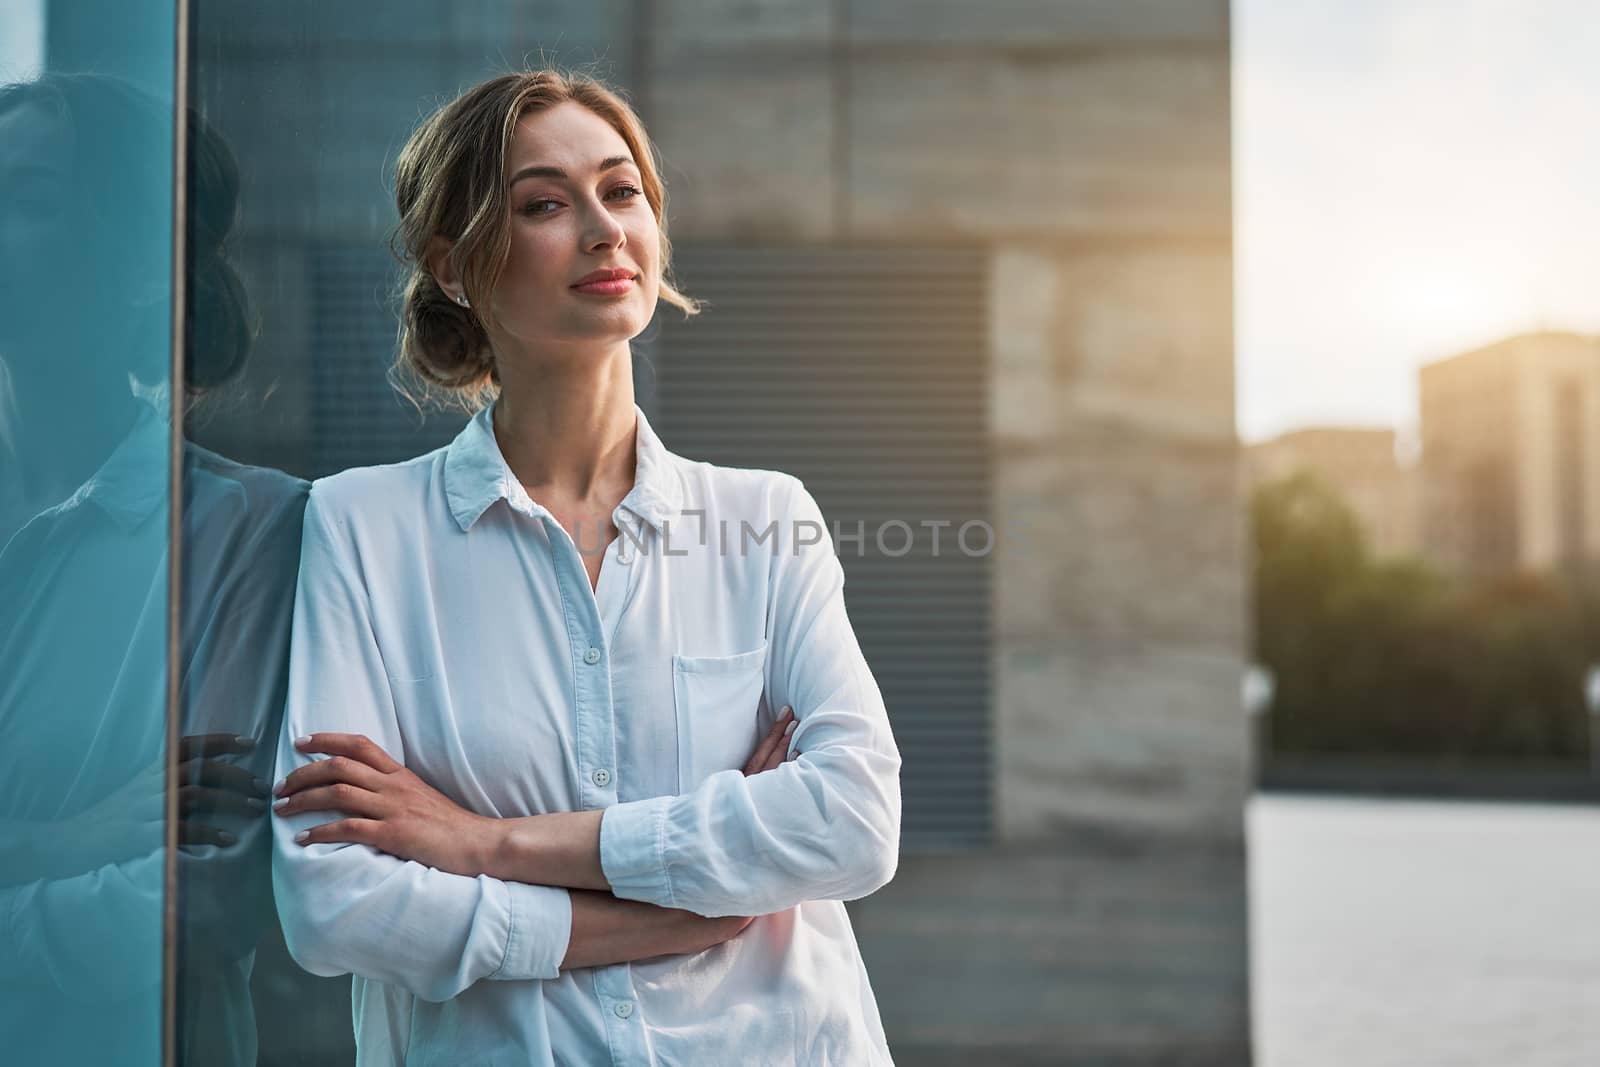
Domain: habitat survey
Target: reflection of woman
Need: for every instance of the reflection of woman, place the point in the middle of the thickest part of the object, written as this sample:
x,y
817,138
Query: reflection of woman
x,y
545,661
86,438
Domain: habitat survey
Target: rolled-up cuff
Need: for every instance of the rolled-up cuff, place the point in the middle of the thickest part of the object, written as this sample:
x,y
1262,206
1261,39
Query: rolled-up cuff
x,y
540,932
633,851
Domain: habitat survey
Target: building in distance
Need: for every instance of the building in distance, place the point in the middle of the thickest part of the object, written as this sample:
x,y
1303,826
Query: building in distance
x,y
1363,464
1511,455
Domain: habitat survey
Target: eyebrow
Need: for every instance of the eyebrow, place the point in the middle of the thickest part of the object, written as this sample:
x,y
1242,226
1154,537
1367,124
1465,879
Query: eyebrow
x,y
606,164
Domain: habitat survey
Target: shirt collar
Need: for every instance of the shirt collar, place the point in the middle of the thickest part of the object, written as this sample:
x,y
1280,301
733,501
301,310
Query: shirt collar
x,y
135,479
476,475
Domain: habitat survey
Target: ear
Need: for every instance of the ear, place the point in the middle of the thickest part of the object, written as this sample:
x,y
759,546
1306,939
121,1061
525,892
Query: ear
x,y
437,259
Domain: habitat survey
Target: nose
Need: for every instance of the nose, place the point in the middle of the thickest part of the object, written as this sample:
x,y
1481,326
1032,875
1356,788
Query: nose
x,y
602,231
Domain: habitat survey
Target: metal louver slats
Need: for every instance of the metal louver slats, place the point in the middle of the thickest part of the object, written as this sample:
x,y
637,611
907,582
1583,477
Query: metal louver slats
x,y
359,417
864,372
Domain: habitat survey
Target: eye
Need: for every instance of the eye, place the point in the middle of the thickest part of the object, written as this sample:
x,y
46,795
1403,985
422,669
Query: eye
x,y
537,207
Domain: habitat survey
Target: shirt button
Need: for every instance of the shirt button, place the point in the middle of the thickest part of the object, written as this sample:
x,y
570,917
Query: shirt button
x,y
592,656
602,777
623,1009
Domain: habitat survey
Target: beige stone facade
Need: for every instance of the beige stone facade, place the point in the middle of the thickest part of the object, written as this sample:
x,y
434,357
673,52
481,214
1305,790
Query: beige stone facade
x,y
1087,147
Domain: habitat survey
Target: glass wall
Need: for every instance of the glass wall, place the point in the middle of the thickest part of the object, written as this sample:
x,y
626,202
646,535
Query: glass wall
x,y
86,343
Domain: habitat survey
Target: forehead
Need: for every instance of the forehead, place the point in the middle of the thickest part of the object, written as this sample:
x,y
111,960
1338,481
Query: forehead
x,y
568,135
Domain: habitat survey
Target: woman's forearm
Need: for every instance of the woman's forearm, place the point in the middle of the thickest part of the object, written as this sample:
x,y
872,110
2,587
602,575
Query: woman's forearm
x,y
606,930
558,849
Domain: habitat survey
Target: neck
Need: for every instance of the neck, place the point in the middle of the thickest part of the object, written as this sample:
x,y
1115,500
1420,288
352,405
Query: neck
x,y
63,431
566,426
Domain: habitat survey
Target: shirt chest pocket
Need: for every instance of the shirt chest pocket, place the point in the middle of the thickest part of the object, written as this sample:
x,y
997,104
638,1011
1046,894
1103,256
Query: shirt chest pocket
x,y
718,705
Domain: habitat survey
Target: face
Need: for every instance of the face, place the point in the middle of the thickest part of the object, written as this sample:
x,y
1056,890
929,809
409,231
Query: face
x,y
36,236
577,206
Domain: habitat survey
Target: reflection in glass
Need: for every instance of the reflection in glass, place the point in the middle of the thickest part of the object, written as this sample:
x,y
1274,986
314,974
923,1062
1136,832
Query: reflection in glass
x,y
85,165
85,429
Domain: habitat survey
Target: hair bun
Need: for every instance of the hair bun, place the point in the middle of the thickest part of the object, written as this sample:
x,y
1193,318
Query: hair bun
x,y
442,342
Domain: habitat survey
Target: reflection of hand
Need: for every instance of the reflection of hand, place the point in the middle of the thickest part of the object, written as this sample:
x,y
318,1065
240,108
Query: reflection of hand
x,y
773,748
206,786
214,787
386,806
128,822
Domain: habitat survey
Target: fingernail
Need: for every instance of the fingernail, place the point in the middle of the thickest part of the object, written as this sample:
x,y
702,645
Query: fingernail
x,y
260,786
300,838
225,838
277,790
255,804
790,728
301,742
787,711
244,742
279,805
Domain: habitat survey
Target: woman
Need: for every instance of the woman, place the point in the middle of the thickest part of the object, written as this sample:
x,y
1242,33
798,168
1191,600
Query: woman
x,y
558,820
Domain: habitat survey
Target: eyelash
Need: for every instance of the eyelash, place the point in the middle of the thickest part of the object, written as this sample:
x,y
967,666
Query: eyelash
x,y
527,210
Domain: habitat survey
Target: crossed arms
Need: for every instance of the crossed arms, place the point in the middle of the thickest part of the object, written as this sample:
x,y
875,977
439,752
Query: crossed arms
x,y
521,899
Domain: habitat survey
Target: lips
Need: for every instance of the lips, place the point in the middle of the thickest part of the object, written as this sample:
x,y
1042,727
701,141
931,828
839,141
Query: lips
x,y
605,274
606,283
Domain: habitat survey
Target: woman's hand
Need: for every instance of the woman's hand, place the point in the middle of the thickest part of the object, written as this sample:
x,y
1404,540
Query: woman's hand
x,y
385,805
707,933
773,749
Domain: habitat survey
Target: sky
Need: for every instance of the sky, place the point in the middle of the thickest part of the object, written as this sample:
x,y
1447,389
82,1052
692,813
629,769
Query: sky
x,y
1412,178
21,38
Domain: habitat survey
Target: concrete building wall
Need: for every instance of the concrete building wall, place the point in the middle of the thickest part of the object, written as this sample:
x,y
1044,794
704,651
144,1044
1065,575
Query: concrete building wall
x,y
1087,146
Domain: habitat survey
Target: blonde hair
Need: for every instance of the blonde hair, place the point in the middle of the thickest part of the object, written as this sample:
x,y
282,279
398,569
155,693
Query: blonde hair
x,y
450,180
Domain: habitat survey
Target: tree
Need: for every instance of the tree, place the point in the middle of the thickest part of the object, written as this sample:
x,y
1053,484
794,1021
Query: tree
x,y
1393,657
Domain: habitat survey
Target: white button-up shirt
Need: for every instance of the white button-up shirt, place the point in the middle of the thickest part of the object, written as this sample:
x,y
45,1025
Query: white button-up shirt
x,y
447,615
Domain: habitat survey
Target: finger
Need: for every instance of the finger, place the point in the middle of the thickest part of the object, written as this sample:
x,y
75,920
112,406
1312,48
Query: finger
x,y
358,831
763,753
194,833
193,799
328,772
222,775
350,799
196,745
355,746
780,751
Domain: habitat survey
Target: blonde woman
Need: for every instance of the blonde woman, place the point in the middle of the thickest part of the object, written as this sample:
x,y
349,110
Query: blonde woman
x,y
581,755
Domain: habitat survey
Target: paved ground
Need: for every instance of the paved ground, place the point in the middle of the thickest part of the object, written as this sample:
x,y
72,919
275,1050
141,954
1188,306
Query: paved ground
x,y
1413,934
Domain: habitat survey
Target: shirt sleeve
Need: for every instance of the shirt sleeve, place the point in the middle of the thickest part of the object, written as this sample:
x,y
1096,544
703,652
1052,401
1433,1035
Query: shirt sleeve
x,y
348,908
94,936
822,826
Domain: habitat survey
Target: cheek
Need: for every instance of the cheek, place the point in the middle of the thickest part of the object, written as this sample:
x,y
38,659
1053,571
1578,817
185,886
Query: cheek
x,y
645,236
535,254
